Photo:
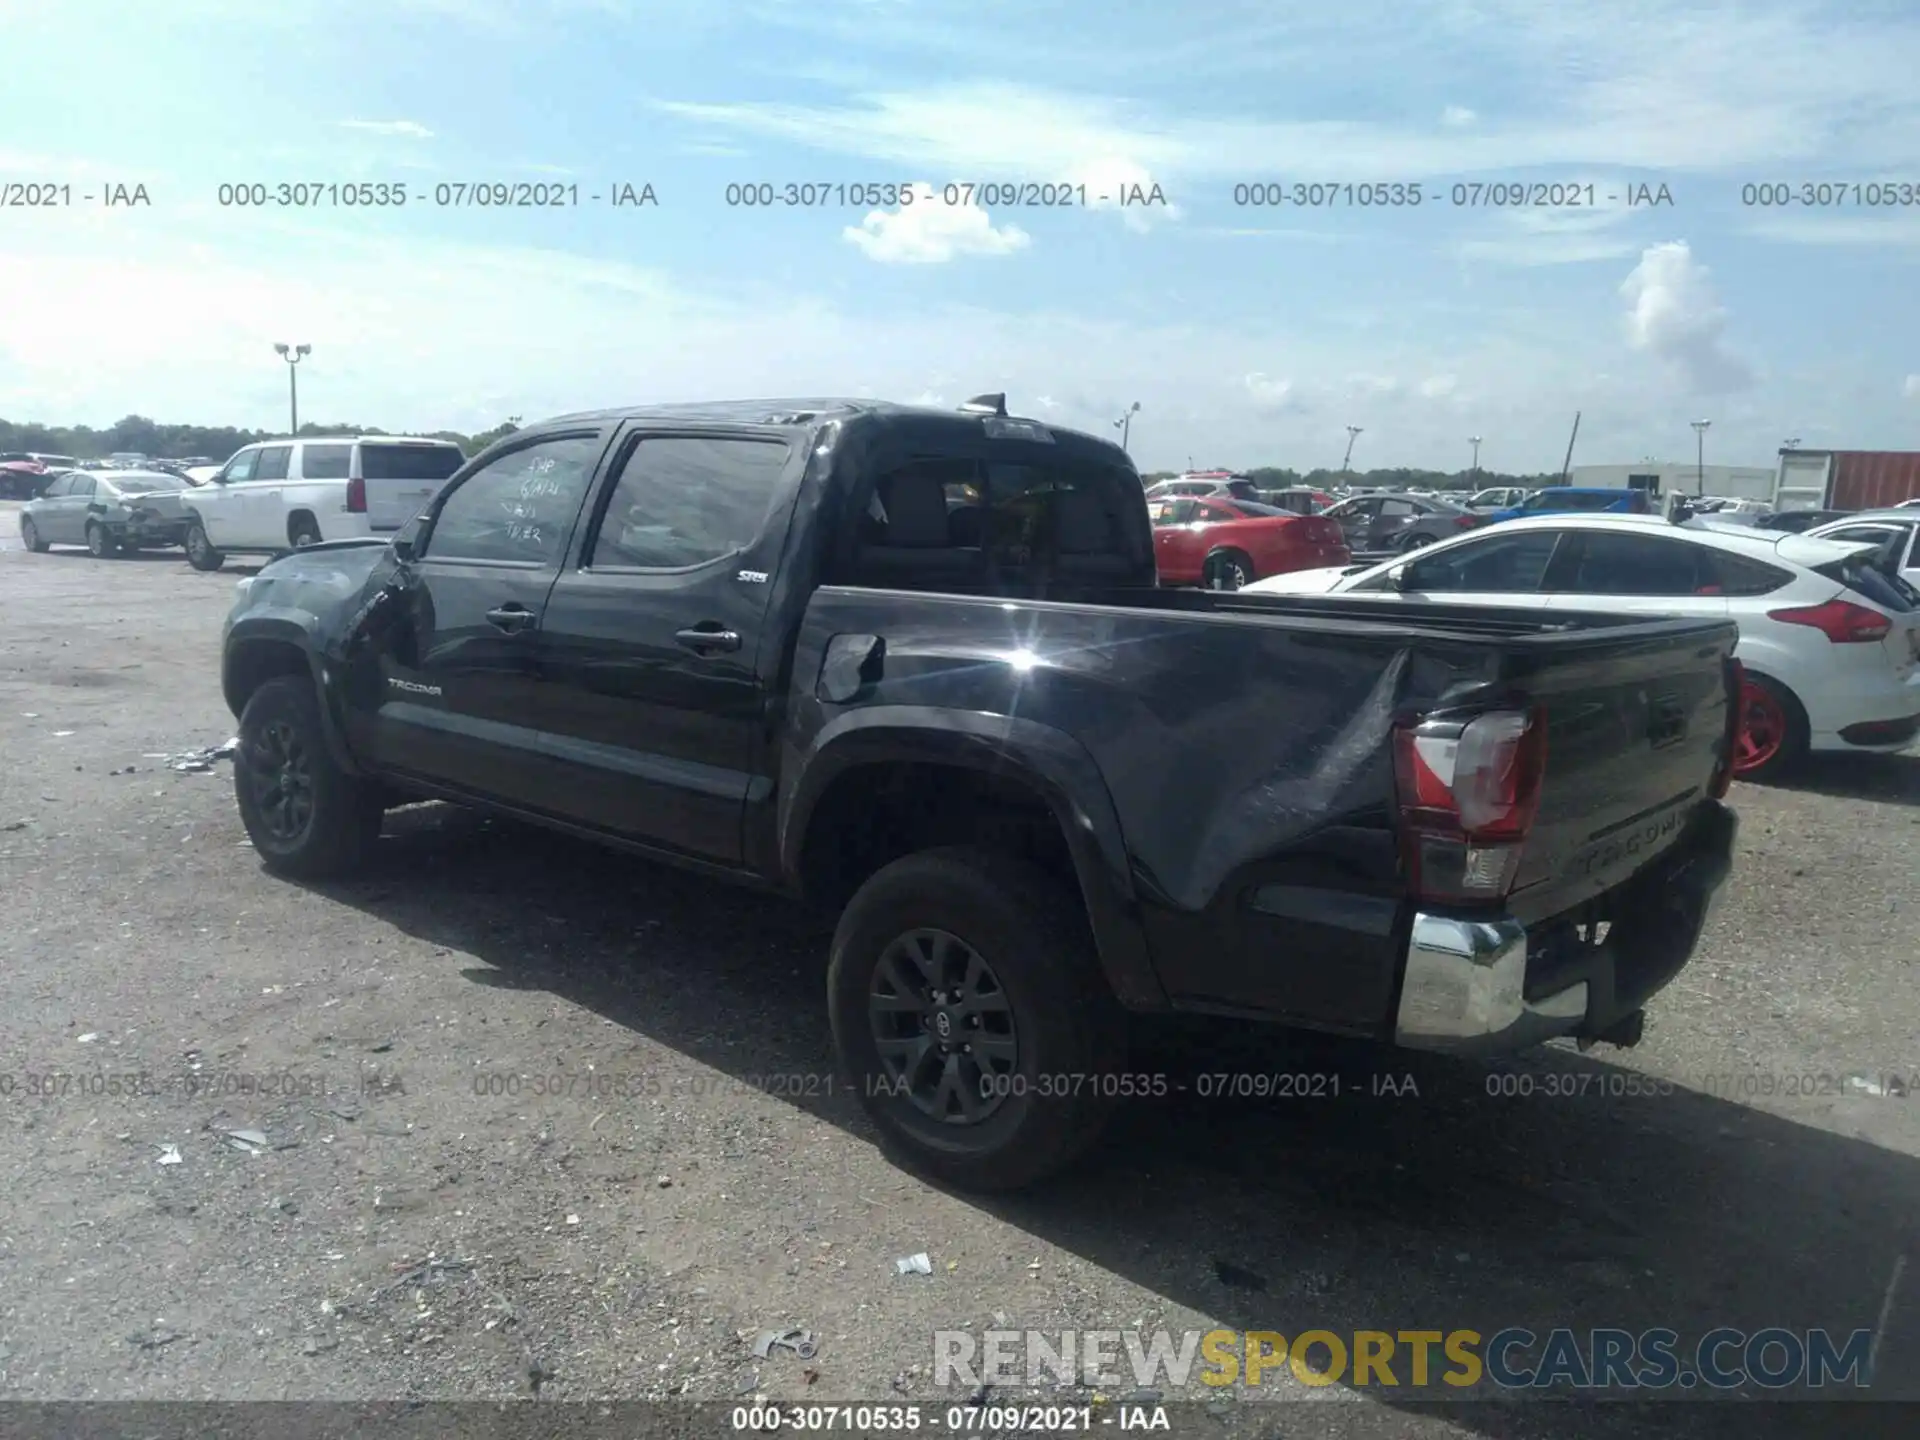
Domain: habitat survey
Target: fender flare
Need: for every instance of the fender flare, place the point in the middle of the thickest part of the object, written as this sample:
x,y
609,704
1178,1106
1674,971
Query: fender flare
x,y
287,629
1053,764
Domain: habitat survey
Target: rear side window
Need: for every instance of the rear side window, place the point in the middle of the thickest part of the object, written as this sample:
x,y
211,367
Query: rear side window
x,y
1639,565
408,462
325,462
686,500
1739,575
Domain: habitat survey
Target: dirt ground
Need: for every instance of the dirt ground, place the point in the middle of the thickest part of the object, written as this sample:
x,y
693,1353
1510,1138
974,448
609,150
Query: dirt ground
x,y
427,1220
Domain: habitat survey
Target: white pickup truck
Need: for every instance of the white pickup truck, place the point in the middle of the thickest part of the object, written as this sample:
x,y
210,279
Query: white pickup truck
x,y
283,494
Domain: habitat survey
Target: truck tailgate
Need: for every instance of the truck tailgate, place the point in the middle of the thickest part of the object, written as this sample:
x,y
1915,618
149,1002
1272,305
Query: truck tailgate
x,y
1636,726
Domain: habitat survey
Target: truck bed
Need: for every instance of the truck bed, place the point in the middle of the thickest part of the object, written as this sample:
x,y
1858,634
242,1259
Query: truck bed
x,y
1244,741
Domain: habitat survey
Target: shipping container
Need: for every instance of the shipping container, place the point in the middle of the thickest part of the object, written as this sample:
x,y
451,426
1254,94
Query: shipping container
x,y
1846,479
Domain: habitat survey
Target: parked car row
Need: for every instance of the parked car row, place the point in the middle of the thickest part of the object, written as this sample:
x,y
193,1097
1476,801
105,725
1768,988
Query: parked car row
x,y
267,498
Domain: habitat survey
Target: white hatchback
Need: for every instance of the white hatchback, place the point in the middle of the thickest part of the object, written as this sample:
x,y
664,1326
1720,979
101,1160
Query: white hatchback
x,y
1830,643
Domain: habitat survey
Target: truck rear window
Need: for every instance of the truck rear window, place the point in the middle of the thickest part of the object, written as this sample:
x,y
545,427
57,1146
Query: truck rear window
x,y
409,462
967,524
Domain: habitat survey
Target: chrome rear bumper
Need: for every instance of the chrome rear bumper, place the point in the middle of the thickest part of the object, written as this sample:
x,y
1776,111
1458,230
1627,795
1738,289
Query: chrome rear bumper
x,y
1464,989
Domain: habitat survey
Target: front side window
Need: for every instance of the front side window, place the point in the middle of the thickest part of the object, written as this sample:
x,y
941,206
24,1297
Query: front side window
x,y
1500,563
521,507
273,463
241,466
686,500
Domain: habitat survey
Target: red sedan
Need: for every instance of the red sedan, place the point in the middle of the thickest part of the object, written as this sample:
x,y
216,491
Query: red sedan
x,y
1224,544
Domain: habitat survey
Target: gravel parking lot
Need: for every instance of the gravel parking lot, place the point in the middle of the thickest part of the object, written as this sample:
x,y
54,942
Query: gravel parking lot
x,y
422,1222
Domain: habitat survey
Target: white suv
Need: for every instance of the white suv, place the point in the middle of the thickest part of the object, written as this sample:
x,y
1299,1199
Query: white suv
x,y
284,494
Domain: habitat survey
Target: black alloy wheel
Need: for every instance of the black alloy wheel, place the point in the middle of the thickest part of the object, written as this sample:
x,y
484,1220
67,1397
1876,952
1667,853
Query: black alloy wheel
x,y
943,1027
282,781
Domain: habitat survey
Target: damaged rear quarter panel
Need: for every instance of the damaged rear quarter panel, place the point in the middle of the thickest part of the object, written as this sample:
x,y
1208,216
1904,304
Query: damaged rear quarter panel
x,y
1240,758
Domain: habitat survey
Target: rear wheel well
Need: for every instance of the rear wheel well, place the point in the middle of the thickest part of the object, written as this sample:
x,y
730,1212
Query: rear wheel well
x,y
253,663
294,519
873,814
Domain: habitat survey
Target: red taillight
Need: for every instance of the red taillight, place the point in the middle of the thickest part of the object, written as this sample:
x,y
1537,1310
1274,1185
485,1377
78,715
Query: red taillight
x,y
1465,522
356,496
1841,621
1468,793
1722,780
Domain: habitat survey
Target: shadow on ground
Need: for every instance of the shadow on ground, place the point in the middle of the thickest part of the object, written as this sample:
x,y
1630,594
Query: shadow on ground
x,y
1889,779
1609,1208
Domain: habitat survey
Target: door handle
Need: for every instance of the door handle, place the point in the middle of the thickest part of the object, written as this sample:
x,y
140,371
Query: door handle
x,y
511,618
699,640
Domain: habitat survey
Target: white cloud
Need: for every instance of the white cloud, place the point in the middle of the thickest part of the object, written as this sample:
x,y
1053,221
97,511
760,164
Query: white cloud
x,y
406,335
412,129
1457,116
1572,236
1438,387
1911,389
1675,316
1894,231
1379,386
1121,185
1270,394
929,231
1645,86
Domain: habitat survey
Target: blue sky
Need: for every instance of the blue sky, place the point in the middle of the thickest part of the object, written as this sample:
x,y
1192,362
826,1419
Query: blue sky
x,y
1249,335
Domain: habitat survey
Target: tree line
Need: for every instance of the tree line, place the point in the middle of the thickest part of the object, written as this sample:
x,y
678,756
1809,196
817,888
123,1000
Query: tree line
x,y
139,435
1400,477
136,434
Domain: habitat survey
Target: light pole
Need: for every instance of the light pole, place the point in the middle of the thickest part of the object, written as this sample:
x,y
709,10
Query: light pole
x,y
293,355
1700,454
1474,440
1346,464
1792,442
1125,423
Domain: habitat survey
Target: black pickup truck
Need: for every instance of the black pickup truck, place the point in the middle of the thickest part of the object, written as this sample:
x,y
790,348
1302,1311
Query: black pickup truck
x,y
914,665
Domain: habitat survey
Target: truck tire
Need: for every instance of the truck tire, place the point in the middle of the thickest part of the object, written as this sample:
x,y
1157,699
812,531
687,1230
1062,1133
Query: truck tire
x,y
200,552
1009,951
1774,734
30,536
306,816
100,544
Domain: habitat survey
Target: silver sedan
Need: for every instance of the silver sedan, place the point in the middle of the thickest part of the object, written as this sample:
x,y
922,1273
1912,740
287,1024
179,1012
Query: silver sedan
x,y
108,511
